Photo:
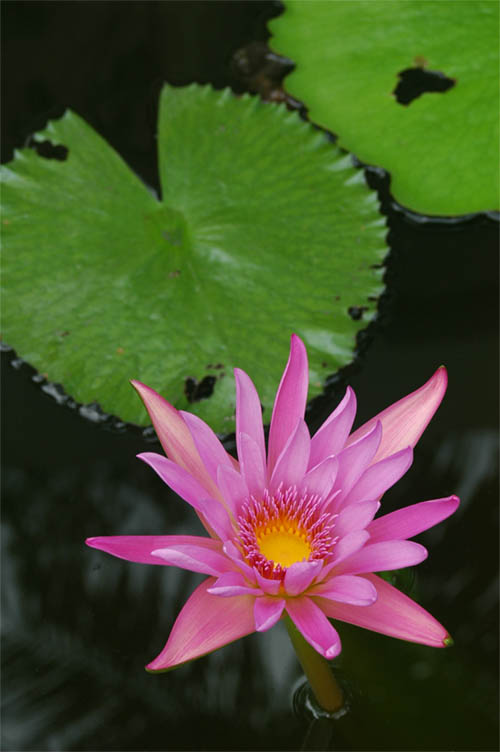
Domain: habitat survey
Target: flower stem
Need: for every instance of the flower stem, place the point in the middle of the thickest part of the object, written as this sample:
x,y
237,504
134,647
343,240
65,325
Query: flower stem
x,y
317,670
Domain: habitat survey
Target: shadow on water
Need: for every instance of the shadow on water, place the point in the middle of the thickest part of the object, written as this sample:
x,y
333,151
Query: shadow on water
x,y
80,626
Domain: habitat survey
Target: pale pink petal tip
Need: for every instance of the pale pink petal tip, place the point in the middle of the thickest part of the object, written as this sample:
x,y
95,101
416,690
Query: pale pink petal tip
x,y
206,623
174,434
404,421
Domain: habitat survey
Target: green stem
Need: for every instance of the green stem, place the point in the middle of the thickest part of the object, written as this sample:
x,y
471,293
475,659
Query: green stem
x,y
317,670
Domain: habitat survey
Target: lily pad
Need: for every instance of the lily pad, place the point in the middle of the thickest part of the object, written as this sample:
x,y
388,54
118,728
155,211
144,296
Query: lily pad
x,y
263,228
441,147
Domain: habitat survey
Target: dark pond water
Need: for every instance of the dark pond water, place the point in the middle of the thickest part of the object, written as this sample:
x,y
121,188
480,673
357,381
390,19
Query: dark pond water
x,y
79,626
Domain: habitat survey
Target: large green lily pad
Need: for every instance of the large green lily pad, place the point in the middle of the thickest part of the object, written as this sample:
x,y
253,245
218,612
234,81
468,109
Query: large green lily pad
x,y
264,228
442,148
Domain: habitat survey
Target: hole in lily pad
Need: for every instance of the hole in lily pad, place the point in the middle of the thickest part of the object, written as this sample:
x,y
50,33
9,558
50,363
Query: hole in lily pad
x,y
356,312
50,151
216,367
198,390
413,82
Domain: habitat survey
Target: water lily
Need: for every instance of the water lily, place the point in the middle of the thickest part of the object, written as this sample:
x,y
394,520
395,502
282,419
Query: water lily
x,y
291,533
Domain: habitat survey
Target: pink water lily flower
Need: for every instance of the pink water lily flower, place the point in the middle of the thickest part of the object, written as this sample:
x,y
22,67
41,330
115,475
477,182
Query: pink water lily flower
x,y
294,530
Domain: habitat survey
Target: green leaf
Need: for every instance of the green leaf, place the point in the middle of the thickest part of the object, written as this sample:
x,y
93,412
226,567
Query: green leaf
x,y
264,228
442,148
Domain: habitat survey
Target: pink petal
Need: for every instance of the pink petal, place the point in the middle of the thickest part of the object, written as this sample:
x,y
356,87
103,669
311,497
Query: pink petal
x,y
252,465
331,437
346,546
311,621
235,555
248,412
327,505
233,487
174,435
208,445
206,623
409,521
193,557
191,491
217,519
290,402
267,611
382,557
355,517
291,465
179,480
269,586
379,477
393,614
347,588
139,548
299,576
354,459
232,583
404,422
320,479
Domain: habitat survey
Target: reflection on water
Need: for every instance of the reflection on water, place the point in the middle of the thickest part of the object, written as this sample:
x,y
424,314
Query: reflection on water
x,y
473,456
79,626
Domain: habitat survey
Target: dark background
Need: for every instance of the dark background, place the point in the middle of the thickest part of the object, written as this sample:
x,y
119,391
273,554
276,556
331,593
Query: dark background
x,y
79,626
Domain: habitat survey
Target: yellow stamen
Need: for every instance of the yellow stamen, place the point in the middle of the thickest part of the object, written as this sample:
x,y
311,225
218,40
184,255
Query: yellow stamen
x,y
283,543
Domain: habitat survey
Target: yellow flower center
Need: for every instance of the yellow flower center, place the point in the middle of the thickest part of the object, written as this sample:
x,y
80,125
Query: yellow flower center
x,y
283,542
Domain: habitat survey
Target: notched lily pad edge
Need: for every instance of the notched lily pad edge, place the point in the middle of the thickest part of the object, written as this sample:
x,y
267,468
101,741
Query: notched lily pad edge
x,y
379,179
91,412
332,388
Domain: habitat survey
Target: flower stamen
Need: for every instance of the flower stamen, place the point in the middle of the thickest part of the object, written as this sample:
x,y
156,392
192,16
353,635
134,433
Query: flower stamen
x,y
284,545
282,529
